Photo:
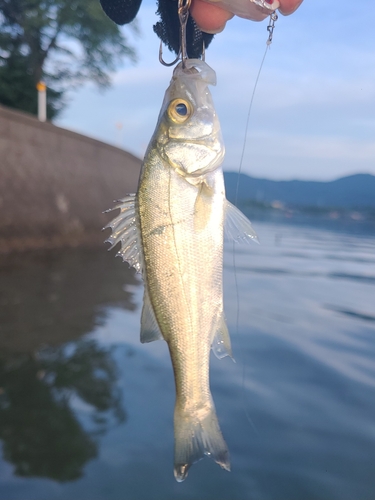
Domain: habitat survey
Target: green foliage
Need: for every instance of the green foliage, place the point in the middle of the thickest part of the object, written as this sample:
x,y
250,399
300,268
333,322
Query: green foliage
x,y
61,42
17,89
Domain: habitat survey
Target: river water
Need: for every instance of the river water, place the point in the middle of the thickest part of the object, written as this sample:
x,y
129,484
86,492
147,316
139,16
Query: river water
x,y
86,411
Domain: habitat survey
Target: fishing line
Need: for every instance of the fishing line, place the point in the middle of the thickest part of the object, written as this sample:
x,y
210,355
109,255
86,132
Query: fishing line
x,y
270,28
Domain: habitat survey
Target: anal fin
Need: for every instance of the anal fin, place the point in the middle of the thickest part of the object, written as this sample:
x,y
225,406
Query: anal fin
x,y
150,330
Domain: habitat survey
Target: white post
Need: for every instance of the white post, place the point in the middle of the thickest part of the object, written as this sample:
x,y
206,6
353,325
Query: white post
x,y
42,101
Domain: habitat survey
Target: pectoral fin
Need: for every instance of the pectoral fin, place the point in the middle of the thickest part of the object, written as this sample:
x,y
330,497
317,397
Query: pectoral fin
x,y
221,346
125,230
237,226
150,330
202,207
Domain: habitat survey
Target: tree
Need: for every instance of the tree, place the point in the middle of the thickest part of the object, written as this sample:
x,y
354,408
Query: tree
x,y
62,42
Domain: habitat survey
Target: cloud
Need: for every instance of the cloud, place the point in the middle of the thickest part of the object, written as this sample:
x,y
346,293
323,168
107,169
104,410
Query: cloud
x,y
306,157
318,148
135,76
312,115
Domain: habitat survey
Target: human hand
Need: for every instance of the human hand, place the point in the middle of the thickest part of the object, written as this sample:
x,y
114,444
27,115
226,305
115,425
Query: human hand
x,y
207,17
212,17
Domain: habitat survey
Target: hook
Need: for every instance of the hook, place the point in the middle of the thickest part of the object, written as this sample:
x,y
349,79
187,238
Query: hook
x,y
161,56
183,15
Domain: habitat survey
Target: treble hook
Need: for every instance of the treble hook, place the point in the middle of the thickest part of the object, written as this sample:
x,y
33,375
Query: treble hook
x,y
161,56
183,15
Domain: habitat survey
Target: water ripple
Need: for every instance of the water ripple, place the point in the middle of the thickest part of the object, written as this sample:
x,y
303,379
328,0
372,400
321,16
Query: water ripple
x,y
353,314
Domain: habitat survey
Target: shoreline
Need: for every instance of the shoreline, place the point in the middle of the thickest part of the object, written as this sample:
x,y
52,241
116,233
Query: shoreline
x,y
55,184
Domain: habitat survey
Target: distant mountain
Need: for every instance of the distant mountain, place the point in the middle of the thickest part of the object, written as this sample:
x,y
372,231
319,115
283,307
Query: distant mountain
x,y
354,191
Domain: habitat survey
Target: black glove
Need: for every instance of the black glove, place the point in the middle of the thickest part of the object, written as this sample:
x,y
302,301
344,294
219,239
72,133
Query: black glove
x,y
167,29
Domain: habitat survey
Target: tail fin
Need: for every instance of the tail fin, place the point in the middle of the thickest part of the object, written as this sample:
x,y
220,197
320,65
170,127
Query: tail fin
x,y
196,437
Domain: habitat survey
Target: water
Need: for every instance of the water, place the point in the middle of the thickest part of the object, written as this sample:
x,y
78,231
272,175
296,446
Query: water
x,y
86,412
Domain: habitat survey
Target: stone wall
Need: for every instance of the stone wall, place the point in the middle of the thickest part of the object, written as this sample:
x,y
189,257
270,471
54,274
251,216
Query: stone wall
x,y
55,184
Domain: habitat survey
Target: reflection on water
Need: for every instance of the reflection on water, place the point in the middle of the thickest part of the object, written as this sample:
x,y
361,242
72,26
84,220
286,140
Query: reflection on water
x,y
86,412
49,299
54,297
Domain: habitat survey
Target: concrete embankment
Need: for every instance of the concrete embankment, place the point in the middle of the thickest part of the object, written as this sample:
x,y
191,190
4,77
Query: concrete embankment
x,y
54,184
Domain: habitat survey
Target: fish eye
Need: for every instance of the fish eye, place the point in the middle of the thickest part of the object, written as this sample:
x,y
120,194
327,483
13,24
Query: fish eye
x,y
179,110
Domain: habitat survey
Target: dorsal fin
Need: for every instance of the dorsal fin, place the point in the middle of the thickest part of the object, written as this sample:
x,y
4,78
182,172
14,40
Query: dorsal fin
x,y
125,230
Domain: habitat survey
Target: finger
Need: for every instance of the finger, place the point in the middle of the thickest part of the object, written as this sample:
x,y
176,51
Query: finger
x,y
209,18
289,6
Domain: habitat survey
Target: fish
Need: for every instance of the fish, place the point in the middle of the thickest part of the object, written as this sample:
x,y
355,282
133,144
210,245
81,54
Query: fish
x,y
172,232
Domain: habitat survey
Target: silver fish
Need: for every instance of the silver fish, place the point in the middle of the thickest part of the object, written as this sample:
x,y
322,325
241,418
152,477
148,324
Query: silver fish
x,y
172,232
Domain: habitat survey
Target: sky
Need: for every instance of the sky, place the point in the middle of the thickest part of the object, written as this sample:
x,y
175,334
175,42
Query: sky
x,y
313,115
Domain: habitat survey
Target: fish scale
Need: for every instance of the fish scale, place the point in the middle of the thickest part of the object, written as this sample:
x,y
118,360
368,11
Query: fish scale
x,y
172,231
